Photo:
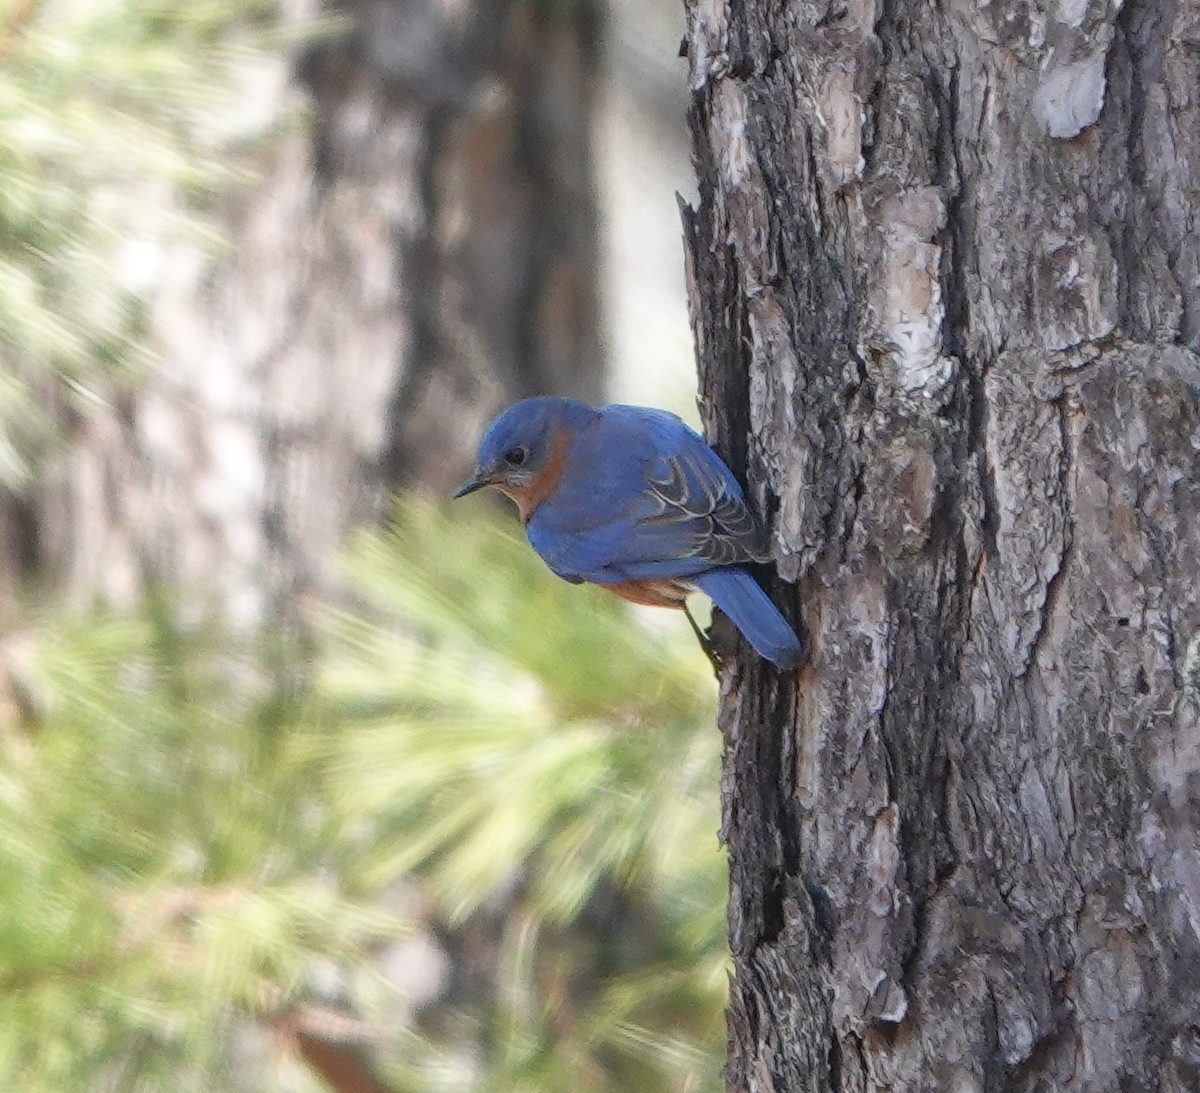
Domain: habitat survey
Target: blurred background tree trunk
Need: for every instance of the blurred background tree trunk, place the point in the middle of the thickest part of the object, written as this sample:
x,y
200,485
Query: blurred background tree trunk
x,y
418,249
945,280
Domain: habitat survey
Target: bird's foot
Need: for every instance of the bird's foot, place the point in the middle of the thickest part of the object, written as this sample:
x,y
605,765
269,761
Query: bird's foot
x,y
710,650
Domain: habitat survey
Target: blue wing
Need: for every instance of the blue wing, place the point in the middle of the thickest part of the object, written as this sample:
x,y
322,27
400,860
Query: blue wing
x,y
644,497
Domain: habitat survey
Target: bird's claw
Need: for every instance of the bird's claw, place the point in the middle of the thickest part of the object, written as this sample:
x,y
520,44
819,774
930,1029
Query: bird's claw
x,y
710,650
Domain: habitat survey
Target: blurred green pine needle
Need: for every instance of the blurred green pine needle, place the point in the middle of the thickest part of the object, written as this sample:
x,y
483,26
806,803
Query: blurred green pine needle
x,y
186,848
181,843
163,865
118,118
520,742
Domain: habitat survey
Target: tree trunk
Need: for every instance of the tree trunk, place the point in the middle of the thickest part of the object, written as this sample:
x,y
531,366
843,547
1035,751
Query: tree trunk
x,y
945,282
418,253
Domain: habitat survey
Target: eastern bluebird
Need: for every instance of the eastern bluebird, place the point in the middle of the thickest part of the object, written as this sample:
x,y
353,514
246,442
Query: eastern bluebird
x,y
635,501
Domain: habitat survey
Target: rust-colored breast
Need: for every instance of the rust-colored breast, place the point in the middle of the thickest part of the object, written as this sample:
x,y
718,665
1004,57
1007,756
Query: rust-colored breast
x,y
656,593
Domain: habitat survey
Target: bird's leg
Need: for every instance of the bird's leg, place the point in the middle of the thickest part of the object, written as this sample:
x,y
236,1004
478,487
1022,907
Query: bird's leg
x,y
714,658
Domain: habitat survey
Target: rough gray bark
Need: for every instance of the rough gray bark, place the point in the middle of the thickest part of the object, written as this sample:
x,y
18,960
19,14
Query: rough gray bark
x,y
945,278
416,253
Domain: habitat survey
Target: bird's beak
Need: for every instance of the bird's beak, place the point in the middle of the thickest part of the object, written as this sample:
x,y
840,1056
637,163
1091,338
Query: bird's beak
x,y
476,482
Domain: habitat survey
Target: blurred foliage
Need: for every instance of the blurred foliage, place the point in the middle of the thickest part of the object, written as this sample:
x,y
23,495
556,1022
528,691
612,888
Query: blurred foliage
x,y
538,750
117,119
161,861
201,854
188,849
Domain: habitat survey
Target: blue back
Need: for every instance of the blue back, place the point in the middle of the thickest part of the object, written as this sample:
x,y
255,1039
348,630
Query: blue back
x,y
643,496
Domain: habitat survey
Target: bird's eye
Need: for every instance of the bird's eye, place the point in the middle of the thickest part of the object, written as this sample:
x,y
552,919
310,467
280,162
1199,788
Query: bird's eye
x,y
515,457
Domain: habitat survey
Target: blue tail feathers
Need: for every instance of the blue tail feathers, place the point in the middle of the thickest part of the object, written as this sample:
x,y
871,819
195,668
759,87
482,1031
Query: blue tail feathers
x,y
737,593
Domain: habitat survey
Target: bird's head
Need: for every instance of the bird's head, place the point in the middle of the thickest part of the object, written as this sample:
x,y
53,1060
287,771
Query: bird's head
x,y
522,451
